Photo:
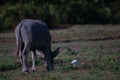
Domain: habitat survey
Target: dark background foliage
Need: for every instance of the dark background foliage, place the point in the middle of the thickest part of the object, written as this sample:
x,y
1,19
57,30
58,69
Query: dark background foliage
x,y
57,13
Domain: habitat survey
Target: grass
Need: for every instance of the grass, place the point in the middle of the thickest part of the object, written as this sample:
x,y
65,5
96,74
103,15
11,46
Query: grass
x,y
98,60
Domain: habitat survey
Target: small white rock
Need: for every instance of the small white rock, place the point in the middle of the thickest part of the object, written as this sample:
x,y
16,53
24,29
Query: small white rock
x,y
74,62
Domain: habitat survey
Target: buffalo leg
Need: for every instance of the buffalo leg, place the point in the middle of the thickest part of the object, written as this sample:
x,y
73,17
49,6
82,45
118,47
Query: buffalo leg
x,y
24,59
48,56
33,61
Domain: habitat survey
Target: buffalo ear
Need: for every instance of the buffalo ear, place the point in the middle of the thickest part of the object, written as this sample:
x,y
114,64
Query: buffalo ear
x,y
55,53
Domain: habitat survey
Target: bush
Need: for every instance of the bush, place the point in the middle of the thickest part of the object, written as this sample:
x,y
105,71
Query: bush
x,y
58,12
116,18
104,15
8,23
3,77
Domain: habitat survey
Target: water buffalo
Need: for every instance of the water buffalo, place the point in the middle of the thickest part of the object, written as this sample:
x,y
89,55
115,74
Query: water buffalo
x,y
32,35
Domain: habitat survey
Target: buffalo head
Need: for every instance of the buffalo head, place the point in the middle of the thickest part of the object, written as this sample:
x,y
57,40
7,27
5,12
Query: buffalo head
x,y
54,54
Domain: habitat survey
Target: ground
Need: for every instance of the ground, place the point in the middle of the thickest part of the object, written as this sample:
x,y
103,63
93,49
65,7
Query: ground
x,y
96,47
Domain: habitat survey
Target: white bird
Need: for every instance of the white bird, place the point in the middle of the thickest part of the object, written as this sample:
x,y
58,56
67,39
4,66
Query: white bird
x,y
74,62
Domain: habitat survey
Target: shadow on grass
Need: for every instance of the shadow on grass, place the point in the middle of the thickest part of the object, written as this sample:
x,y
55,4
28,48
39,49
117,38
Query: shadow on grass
x,y
16,65
10,66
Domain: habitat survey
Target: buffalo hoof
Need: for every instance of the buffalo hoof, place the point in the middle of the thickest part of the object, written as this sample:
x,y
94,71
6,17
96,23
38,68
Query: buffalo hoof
x,y
25,72
34,71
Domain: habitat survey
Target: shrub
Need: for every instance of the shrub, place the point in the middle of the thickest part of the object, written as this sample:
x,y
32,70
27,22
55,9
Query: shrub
x,y
3,77
116,18
104,15
58,12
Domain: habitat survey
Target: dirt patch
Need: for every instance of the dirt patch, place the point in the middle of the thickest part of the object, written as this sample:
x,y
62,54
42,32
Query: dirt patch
x,y
89,39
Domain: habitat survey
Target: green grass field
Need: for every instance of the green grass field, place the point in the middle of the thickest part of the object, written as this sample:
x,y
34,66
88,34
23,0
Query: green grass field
x,y
97,48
